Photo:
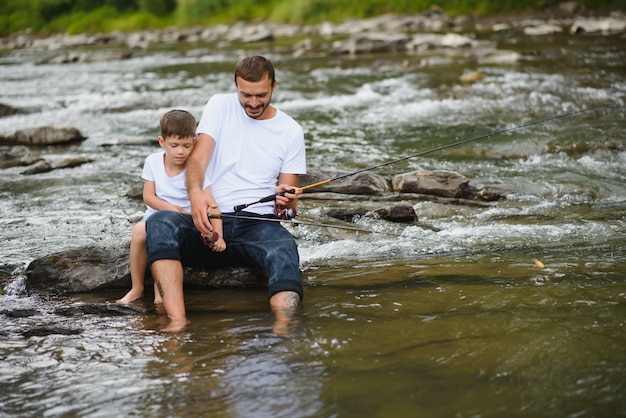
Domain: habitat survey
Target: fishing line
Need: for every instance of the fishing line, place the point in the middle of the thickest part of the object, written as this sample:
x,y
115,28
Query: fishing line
x,y
292,222
489,135
296,223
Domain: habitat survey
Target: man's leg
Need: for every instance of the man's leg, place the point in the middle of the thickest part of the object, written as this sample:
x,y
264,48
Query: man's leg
x,y
168,275
272,248
284,306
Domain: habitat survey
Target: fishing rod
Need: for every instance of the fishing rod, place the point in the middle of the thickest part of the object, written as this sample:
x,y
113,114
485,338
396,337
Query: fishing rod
x,y
290,221
239,208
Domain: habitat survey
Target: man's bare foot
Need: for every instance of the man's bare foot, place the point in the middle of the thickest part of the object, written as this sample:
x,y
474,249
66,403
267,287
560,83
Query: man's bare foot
x,y
131,296
176,325
281,327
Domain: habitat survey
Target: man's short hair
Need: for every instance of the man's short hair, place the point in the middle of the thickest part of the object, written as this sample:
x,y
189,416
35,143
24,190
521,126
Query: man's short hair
x,y
255,68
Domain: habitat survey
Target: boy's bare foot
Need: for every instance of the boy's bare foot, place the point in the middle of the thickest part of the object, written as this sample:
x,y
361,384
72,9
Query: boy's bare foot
x,y
131,296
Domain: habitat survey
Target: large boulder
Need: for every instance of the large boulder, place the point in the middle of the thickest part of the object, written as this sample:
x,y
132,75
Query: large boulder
x,y
46,135
106,266
365,183
433,182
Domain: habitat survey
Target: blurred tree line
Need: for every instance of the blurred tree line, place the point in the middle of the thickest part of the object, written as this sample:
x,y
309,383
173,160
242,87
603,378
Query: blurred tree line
x,y
75,16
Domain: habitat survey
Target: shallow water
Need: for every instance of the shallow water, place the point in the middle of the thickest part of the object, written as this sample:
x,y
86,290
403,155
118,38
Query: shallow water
x,y
447,317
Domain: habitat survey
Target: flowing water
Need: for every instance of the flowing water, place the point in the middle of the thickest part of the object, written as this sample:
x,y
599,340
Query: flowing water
x,y
451,317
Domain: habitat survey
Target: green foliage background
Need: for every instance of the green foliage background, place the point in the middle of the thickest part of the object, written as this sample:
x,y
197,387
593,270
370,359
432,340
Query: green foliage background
x,y
97,16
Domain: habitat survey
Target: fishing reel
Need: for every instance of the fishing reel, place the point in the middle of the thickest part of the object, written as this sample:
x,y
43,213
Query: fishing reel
x,y
210,239
286,214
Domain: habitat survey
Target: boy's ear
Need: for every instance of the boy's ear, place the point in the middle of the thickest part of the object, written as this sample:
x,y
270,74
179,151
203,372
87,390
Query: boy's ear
x,y
161,141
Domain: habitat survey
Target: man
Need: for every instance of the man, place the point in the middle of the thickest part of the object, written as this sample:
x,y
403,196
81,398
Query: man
x,y
246,150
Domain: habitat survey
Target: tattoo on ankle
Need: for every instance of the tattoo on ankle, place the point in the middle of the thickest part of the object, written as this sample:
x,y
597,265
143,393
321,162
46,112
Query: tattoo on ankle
x,y
291,300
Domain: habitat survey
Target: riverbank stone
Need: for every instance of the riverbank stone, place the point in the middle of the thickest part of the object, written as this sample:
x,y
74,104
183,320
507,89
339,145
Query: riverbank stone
x,y
43,136
107,266
434,182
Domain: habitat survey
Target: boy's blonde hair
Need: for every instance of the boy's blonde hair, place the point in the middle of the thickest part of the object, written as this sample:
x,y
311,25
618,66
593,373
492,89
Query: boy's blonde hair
x,y
178,123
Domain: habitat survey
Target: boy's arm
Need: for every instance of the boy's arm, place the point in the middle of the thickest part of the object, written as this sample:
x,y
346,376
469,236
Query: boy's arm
x,y
151,199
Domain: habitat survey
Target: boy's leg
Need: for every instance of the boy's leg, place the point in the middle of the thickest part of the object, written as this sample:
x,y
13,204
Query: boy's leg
x,y
138,263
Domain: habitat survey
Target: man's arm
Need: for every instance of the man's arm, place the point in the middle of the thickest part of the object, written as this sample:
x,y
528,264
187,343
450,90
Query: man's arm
x,y
287,182
196,167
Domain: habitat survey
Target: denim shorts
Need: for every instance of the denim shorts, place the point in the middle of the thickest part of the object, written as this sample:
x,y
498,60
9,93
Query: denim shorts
x,y
258,244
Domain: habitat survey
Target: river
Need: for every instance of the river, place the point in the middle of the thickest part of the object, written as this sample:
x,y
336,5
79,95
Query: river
x,y
450,317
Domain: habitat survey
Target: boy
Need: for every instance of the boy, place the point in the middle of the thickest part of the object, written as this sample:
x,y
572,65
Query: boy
x,y
164,189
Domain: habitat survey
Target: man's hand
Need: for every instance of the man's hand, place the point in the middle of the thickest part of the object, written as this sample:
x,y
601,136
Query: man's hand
x,y
200,207
290,198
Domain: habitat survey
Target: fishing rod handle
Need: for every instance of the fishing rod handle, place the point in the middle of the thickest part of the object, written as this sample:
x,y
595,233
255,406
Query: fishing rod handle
x,y
269,198
274,196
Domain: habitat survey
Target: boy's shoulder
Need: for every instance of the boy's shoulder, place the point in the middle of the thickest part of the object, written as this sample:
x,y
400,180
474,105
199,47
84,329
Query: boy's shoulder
x,y
155,158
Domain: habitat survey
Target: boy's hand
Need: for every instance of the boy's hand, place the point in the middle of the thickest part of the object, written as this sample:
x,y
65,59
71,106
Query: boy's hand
x,y
219,246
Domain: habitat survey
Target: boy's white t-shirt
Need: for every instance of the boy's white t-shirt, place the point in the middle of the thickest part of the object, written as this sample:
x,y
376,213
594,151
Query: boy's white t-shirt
x,y
169,189
249,154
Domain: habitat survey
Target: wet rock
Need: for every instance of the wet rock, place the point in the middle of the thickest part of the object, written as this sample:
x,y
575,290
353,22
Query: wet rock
x,y
398,213
45,135
365,183
105,308
46,331
18,155
490,194
20,313
401,213
346,215
7,271
80,269
429,41
68,57
39,167
6,110
263,35
436,182
494,57
135,193
106,266
542,29
45,166
604,25
71,162
471,76
369,43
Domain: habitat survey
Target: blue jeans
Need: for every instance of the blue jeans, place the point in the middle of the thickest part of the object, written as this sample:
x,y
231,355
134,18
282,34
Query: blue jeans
x,y
249,243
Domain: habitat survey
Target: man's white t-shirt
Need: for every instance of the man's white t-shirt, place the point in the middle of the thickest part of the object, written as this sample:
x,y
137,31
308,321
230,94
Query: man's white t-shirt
x,y
170,189
249,154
